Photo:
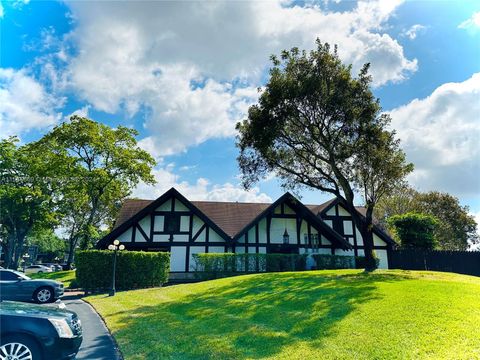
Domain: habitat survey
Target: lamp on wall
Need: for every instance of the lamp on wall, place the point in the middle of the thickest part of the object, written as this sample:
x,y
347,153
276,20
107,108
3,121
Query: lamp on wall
x,y
286,237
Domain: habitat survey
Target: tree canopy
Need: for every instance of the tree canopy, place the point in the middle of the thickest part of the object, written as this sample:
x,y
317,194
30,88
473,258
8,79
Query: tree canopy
x,y
98,167
415,230
27,201
316,126
456,229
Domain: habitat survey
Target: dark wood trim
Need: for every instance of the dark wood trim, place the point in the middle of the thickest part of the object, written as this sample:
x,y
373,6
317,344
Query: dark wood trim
x,y
284,216
257,238
142,232
299,227
180,213
187,259
197,234
207,233
269,224
172,205
171,232
152,223
134,231
190,228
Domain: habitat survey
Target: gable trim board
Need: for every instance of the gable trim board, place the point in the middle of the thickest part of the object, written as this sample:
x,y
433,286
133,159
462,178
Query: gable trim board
x,y
173,223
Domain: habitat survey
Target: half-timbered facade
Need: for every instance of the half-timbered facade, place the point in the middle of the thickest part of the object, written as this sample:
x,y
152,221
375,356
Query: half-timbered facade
x,y
174,224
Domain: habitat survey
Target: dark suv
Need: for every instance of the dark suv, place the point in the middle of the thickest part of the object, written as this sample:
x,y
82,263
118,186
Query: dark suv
x,y
38,332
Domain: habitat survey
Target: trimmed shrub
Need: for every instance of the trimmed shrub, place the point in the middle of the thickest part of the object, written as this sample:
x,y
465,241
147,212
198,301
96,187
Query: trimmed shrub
x,y
331,262
360,261
215,265
415,230
135,269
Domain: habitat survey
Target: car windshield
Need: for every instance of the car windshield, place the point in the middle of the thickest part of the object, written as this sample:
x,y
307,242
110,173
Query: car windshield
x,y
22,275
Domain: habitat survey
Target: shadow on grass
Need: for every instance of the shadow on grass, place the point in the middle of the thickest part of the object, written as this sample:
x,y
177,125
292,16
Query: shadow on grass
x,y
251,317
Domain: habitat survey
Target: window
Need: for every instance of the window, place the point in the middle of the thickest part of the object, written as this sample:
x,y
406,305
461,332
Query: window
x,y
172,223
8,276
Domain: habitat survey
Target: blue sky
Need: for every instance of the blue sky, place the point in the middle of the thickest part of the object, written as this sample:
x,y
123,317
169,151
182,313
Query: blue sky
x,y
183,73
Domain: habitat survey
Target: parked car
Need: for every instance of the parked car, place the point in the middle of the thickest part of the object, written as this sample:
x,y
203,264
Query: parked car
x,y
29,331
54,267
65,266
17,286
33,269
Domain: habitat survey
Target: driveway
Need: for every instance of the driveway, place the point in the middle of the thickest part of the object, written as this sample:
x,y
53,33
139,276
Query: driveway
x,y
97,342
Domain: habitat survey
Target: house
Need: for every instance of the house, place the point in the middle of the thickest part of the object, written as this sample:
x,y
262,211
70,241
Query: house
x,y
182,227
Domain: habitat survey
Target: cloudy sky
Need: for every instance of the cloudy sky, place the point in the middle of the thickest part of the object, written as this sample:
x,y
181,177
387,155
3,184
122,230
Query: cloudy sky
x,y
183,73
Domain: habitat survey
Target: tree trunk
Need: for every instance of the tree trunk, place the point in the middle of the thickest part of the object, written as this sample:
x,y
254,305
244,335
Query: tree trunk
x,y
20,239
365,226
71,250
10,250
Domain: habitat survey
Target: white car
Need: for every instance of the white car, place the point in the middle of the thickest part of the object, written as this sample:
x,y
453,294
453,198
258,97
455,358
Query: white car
x,y
34,269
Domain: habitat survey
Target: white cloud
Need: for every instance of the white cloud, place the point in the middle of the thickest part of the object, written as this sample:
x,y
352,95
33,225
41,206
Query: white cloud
x,y
195,65
473,23
440,135
25,104
202,189
413,31
1,11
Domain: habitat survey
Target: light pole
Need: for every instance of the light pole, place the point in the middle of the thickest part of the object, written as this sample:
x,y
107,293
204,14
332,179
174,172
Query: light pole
x,y
115,247
25,258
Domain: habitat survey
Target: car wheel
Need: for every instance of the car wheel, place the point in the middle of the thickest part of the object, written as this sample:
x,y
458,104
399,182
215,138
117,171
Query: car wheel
x,y
19,348
39,272
43,295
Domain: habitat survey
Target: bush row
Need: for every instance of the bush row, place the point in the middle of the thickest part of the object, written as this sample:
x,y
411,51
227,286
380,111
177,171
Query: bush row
x,y
331,262
213,265
135,269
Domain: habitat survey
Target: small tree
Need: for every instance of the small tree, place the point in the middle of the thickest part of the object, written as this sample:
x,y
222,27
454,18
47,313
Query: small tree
x,y
26,199
415,230
316,126
98,167
456,229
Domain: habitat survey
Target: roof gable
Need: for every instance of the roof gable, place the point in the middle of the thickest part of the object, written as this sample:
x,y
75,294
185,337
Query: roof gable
x,y
148,207
305,212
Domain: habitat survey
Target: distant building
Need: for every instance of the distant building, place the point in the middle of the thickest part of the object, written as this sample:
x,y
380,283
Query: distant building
x,y
173,223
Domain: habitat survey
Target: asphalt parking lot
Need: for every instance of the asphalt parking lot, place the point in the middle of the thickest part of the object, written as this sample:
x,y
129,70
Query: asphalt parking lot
x,y
97,342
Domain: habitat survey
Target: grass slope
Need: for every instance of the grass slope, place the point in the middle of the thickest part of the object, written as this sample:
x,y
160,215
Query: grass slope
x,y
304,315
64,276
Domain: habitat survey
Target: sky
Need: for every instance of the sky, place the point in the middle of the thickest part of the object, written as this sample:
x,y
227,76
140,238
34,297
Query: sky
x,y
183,73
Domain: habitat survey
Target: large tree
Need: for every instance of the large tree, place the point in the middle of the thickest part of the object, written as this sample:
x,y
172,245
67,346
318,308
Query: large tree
x,y
99,166
316,126
456,228
27,200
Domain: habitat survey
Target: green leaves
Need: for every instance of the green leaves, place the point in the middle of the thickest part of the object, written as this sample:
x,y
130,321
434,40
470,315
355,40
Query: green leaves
x,y
415,230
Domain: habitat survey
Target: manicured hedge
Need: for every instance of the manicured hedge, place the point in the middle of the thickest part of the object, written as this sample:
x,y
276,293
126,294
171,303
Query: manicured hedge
x,y
214,265
360,261
331,262
135,269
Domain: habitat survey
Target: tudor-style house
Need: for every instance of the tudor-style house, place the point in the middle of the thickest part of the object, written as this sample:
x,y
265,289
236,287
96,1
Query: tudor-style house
x,y
173,223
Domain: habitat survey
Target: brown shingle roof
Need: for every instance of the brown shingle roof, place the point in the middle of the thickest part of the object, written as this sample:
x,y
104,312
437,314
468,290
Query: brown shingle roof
x,y
231,217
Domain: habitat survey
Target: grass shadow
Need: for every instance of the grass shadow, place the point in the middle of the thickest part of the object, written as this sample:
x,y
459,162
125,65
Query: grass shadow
x,y
250,317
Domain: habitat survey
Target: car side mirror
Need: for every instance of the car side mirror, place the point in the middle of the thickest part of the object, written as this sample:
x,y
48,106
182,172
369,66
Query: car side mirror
x,y
19,279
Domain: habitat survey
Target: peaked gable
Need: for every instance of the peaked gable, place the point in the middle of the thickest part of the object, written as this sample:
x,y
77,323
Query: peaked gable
x,y
149,208
304,212
361,211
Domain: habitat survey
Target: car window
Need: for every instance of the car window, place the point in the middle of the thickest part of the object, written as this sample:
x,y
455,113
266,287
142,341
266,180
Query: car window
x,y
8,276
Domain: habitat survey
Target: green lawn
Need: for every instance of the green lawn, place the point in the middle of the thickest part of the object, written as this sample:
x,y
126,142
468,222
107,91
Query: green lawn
x,y
64,276
342,314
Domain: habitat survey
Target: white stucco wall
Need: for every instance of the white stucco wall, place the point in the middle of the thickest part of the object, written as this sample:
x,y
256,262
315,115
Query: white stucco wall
x,y
278,228
177,258
166,206
214,237
126,236
382,255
